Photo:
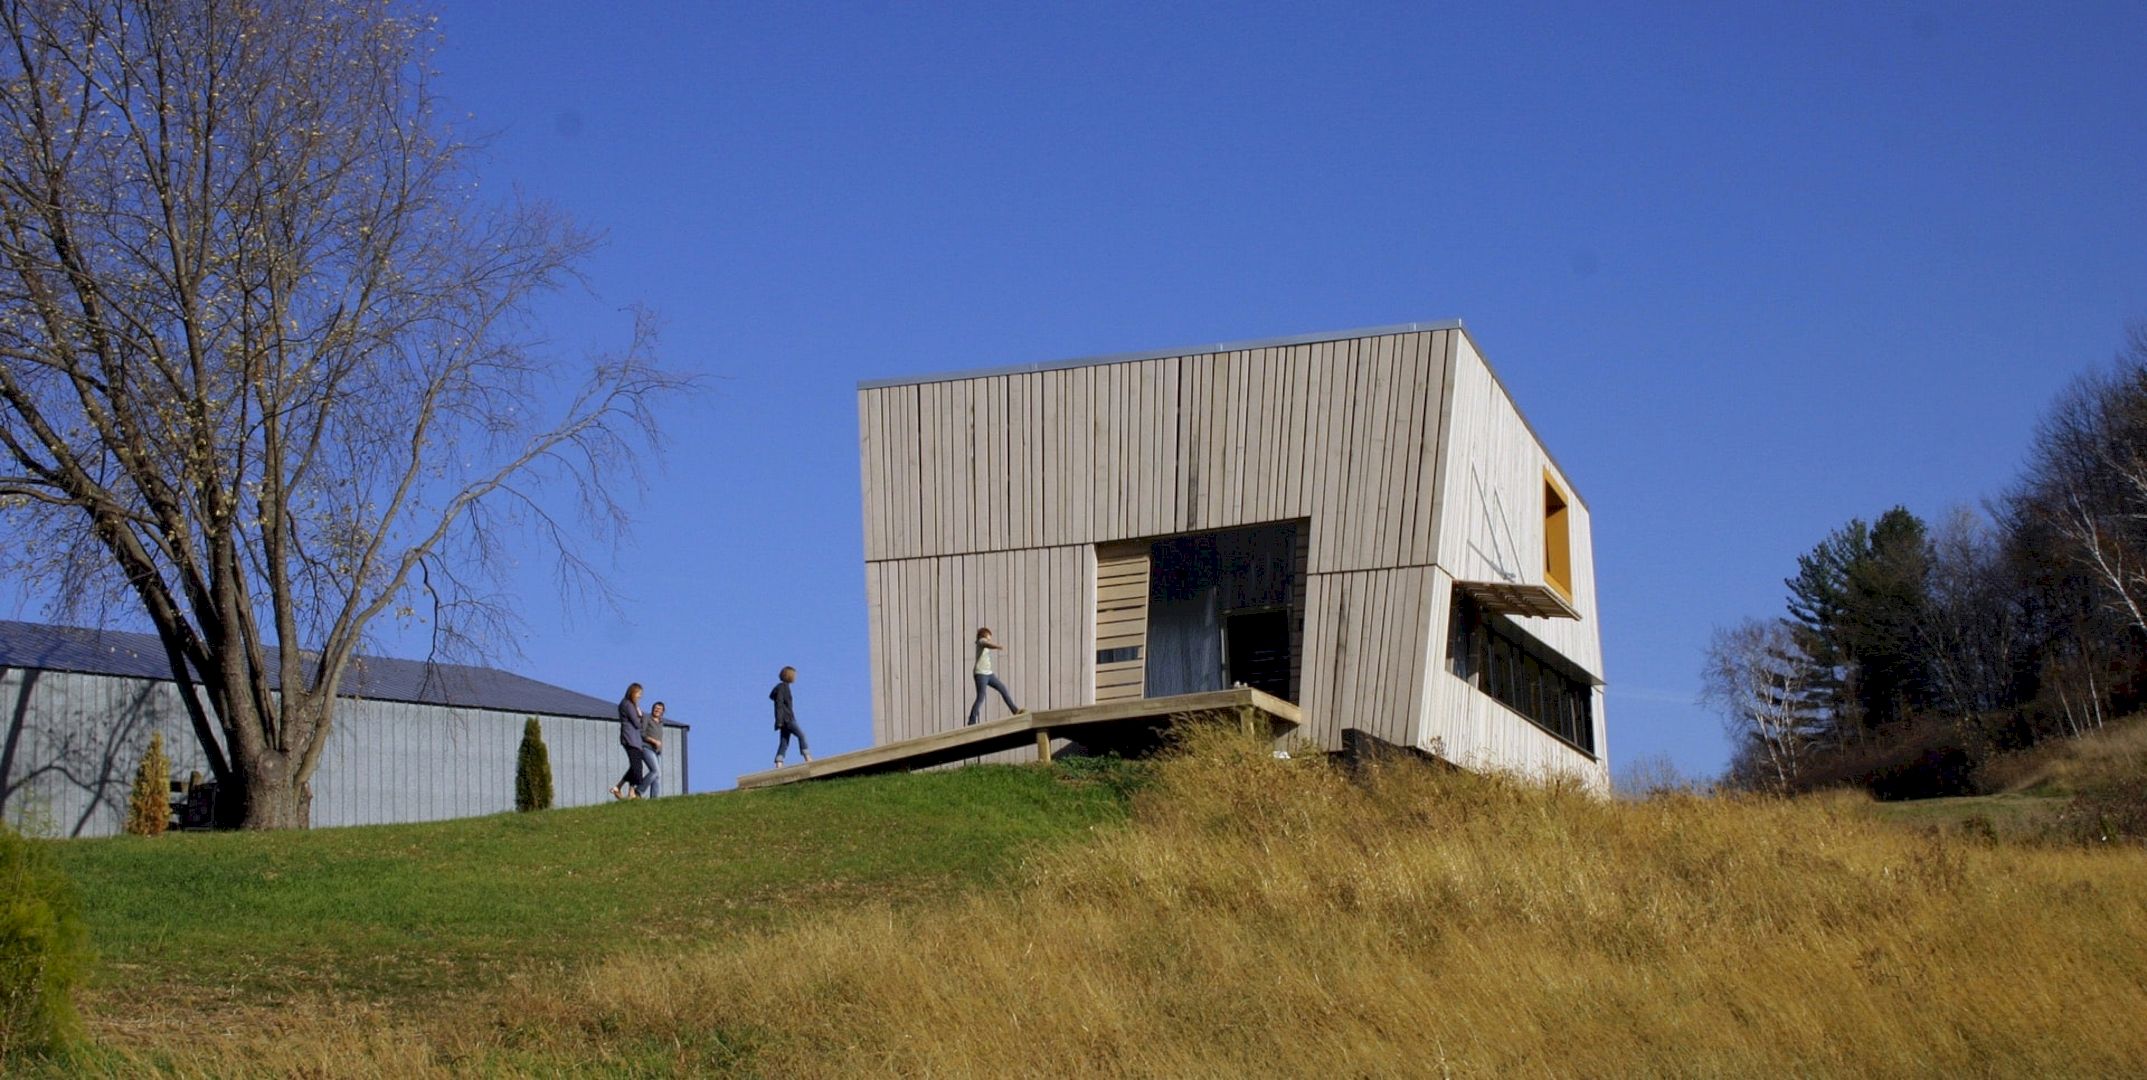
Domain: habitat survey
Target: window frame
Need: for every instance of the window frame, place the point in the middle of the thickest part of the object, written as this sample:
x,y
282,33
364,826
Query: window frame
x,y
1557,536
1494,656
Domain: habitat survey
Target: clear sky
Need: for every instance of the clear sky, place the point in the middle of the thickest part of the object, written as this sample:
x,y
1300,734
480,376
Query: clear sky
x,y
1750,270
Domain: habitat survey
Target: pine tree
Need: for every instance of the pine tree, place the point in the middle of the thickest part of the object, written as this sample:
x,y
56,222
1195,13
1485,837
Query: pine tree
x,y
149,806
1857,604
1889,601
533,770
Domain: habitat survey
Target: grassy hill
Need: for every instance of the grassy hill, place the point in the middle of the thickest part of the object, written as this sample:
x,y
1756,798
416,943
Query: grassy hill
x,y
2063,788
1239,916
400,921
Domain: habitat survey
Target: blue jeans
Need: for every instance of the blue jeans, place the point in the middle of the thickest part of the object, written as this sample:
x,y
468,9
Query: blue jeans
x,y
648,785
785,731
992,682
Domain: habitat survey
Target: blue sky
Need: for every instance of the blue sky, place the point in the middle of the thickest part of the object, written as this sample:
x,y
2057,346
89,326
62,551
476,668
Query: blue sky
x,y
1750,270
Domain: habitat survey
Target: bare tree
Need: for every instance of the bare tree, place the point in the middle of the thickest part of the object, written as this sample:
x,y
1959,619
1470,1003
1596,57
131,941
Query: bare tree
x,y
1758,679
2087,478
1971,630
268,364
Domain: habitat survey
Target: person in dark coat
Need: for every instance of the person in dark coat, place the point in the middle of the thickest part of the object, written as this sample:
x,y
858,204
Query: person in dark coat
x,y
630,741
786,718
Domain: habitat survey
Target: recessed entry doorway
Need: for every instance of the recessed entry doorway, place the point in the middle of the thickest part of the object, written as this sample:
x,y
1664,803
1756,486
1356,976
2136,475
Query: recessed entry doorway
x,y
1224,609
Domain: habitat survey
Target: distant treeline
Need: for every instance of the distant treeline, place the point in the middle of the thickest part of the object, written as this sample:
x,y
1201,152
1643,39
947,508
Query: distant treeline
x,y
1913,653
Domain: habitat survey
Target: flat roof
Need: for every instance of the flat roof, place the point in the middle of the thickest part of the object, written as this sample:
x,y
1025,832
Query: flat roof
x,y
1160,354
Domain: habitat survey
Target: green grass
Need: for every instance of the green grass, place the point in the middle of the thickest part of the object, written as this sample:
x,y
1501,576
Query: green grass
x,y
2010,816
404,917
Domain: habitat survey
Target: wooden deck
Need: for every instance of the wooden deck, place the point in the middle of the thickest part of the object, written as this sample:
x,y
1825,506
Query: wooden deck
x,y
1125,727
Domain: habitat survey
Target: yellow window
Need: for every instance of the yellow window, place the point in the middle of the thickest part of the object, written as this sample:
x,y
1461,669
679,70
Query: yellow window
x,y
1557,538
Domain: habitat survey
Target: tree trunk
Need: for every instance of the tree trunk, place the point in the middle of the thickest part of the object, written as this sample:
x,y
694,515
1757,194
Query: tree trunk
x,y
271,797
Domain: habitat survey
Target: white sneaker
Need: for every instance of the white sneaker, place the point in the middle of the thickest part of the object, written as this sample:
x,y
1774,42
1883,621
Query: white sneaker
x,y
778,763
808,757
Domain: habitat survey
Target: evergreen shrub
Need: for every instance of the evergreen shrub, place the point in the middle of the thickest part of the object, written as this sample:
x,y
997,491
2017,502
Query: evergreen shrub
x,y
533,770
149,806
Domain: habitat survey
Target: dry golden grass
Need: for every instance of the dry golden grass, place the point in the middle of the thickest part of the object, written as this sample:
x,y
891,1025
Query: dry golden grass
x,y
2111,756
1264,917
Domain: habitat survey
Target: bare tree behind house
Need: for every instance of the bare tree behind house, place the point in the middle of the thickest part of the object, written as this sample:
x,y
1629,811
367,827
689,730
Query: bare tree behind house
x,y
1759,681
268,366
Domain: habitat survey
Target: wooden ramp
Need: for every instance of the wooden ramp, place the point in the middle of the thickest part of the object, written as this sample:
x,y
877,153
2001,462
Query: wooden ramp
x,y
1124,727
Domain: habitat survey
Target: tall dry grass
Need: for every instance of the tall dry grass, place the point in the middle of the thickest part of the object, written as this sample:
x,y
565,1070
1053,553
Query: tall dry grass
x,y
2111,757
1274,917
1265,917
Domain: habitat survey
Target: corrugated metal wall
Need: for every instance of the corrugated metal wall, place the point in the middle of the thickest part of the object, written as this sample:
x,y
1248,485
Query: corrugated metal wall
x,y
73,742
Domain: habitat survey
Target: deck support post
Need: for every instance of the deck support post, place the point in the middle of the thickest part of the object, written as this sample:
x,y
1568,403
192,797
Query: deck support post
x,y
1043,745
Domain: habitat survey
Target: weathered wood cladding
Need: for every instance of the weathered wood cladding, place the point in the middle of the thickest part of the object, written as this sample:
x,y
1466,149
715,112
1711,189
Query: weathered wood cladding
x,y
1367,640
1121,618
1329,431
1473,729
1492,507
1040,603
1399,451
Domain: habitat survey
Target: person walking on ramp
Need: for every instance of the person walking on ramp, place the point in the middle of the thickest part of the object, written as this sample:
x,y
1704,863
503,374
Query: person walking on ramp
x,y
982,671
630,741
786,718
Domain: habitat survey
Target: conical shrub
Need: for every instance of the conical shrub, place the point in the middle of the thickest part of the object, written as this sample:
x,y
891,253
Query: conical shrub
x,y
149,805
533,770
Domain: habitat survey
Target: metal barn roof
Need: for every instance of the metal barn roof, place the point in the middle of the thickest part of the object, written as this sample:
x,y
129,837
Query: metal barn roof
x,y
141,656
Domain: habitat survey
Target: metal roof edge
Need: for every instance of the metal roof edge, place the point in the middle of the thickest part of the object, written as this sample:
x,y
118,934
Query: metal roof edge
x,y
1158,354
140,644
386,700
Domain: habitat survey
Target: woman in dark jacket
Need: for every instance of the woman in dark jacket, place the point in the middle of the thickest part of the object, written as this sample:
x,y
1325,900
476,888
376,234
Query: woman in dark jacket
x,y
630,741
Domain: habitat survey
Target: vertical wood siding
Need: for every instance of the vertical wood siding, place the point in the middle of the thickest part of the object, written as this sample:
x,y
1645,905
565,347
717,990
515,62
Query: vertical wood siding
x,y
1041,604
1491,529
985,500
1335,431
1476,730
1121,618
1493,508
73,742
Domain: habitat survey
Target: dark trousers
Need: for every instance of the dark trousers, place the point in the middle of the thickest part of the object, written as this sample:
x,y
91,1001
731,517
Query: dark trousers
x,y
991,682
784,732
635,768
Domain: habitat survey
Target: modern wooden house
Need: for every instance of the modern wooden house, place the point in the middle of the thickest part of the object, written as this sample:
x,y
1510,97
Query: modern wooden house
x,y
1362,523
